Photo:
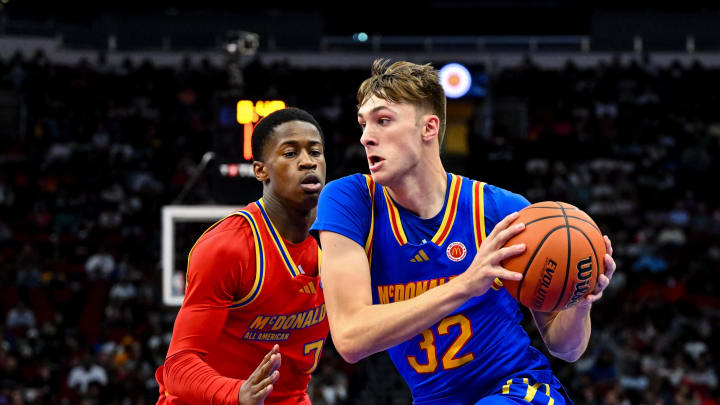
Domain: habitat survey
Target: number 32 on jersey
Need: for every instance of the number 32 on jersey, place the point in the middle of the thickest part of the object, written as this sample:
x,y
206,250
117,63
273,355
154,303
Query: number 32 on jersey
x,y
449,359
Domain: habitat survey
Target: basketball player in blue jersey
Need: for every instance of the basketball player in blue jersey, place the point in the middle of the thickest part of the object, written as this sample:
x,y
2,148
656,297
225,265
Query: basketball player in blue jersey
x,y
411,261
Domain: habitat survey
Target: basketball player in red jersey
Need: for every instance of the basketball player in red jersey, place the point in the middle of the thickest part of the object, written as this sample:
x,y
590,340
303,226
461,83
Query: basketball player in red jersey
x,y
253,323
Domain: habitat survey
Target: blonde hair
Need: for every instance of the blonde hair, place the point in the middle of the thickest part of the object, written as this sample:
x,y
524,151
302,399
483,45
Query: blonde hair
x,y
406,82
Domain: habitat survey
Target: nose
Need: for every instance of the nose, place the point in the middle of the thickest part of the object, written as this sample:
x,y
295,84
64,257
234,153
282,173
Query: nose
x,y
306,161
367,138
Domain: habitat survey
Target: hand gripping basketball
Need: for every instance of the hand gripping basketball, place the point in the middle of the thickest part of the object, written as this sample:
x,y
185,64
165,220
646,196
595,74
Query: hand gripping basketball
x,y
564,260
486,267
604,279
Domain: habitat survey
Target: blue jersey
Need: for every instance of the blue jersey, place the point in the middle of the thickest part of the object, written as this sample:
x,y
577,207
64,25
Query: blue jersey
x,y
478,349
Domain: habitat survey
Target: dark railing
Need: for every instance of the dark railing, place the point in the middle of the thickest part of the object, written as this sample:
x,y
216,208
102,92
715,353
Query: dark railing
x,y
378,43
180,35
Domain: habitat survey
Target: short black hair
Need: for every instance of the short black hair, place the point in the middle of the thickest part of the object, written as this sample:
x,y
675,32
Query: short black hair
x,y
267,125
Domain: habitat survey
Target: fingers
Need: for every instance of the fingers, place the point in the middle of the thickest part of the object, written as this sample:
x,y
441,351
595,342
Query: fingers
x,y
263,394
274,350
269,363
503,236
265,387
505,274
593,297
268,381
609,266
257,393
608,245
508,252
604,279
602,283
503,224
275,359
261,382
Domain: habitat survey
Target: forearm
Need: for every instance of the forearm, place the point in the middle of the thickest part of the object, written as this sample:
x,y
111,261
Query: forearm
x,y
566,333
188,377
367,329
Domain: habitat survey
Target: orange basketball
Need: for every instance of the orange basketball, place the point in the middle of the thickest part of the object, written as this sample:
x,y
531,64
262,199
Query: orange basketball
x,y
562,260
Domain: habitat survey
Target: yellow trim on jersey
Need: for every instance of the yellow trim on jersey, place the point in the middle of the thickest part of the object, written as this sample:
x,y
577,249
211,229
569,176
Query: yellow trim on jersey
x,y
319,258
371,191
278,241
478,198
547,392
395,222
451,209
259,264
259,258
531,391
479,212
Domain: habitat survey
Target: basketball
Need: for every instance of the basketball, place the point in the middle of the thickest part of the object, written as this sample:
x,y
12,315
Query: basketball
x,y
562,260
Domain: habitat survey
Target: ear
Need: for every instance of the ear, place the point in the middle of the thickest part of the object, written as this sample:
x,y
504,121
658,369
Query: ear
x,y
430,127
260,171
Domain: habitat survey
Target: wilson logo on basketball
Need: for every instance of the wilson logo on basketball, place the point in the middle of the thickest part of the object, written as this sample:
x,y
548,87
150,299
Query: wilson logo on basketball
x,y
456,251
584,272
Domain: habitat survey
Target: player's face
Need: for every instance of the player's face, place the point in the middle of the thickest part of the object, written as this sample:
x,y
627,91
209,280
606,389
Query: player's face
x,y
294,164
391,137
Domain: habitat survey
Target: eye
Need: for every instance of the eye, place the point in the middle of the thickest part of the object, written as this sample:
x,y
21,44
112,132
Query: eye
x,y
290,154
383,121
316,152
362,126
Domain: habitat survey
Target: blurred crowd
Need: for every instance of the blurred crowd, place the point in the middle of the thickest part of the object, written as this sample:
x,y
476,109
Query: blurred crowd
x,y
91,152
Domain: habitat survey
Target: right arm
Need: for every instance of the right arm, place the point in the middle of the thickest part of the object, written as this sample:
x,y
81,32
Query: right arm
x,y
360,328
189,377
215,269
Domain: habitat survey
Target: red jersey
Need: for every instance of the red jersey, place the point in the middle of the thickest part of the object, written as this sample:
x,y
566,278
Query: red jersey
x,y
247,290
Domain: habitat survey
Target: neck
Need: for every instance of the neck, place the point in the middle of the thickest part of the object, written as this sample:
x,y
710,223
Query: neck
x,y
292,223
422,190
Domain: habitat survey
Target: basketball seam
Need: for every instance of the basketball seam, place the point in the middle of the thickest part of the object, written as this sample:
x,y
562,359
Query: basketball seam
x,y
567,266
559,216
597,273
527,267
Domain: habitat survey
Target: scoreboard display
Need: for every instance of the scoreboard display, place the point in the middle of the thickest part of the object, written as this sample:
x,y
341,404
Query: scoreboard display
x,y
248,114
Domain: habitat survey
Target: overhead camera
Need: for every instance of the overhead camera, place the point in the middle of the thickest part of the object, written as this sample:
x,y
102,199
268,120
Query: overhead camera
x,y
242,43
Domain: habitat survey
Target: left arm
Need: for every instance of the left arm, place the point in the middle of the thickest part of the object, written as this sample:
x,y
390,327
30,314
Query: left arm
x,y
566,333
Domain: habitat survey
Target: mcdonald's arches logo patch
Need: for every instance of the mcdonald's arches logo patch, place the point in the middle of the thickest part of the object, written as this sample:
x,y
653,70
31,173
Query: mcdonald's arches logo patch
x,y
456,251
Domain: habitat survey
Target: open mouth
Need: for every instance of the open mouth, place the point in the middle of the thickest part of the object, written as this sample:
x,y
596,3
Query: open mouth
x,y
375,162
311,184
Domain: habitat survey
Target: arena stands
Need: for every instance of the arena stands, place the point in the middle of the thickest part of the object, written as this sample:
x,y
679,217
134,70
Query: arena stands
x,y
94,151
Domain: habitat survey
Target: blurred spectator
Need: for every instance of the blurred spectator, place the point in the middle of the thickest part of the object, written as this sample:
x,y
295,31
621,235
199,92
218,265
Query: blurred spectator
x,y
100,265
85,373
703,374
20,317
332,384
123,290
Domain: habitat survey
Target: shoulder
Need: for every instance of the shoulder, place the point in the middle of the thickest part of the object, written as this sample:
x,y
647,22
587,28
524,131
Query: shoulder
x,y
344,208
501,197
228,237
346,186
499,203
